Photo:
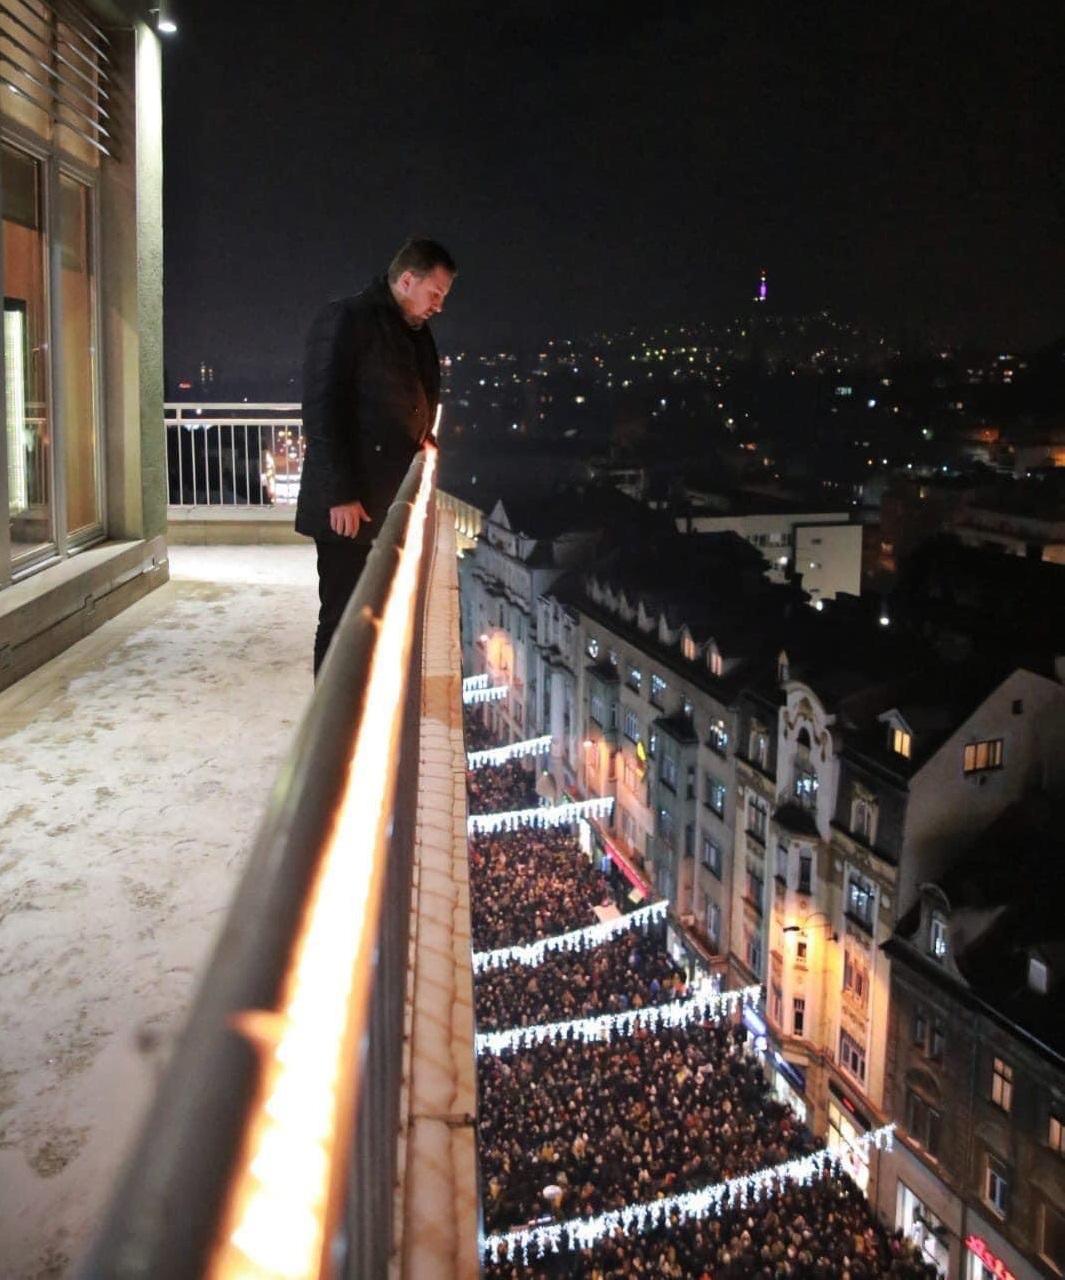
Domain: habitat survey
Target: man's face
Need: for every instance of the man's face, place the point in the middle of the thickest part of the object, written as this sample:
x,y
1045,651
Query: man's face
x,y
421,297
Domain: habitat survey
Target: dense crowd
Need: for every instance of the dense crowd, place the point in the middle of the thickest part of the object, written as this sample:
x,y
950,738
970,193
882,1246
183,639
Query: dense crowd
x,y
823,1231
479,737
630,971
530,884
569,1129
614,1122
501,788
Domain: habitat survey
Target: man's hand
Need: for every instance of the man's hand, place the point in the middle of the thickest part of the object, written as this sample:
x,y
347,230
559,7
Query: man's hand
x,y
346,518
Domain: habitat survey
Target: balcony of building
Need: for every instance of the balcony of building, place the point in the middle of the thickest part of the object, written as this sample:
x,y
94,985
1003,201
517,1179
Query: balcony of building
x,y
183,814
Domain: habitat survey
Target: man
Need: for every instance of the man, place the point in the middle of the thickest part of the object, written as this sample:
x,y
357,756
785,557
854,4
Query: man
x,y
371,385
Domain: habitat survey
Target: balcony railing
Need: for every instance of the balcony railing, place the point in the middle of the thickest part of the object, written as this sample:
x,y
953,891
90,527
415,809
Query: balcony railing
x,y
272,1147
237,455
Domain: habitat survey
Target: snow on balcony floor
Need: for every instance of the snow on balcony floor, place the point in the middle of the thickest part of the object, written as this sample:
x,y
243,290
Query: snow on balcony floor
x,y
133,771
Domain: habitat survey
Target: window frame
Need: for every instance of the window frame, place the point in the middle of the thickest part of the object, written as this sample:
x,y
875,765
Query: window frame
x,y
1000,1091
985,755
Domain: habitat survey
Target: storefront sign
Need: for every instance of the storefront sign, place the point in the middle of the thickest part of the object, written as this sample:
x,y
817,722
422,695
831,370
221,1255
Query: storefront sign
x,y
849,1106
978,1247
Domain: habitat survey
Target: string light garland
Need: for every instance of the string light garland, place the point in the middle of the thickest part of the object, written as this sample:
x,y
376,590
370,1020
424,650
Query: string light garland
x,y
475,682
534,953
471,697
515,751
558,815
705,1005
704,1202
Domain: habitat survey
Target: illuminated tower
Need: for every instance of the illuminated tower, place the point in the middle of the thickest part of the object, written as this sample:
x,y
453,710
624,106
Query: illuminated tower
x,y
760,296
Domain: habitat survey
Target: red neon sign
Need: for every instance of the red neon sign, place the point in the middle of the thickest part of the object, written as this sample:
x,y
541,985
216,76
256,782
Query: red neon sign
x,y
996,1266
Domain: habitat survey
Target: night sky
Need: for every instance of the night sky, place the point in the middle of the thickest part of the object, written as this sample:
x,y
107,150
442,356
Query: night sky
x,y
903,164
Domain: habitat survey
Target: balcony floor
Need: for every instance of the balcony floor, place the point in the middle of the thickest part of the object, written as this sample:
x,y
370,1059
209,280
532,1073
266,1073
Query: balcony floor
x,y
133,770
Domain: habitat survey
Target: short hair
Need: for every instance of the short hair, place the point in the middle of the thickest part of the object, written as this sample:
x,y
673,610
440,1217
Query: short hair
x,y
420,256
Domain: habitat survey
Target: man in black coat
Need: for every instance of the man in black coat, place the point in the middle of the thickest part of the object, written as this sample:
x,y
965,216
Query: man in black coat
x,y
371,385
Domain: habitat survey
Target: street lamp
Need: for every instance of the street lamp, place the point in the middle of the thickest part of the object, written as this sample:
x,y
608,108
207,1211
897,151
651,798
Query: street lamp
x,y
825,923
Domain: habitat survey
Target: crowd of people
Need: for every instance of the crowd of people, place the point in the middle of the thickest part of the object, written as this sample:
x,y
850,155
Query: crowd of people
x,y
629,971
531,884
624,1120
501,788
570,1129
821,1231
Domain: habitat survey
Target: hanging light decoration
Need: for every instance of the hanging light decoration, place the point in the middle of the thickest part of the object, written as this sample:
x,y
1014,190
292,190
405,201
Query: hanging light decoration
x,y
514,751
594,935
559,815
706,1005
704,1202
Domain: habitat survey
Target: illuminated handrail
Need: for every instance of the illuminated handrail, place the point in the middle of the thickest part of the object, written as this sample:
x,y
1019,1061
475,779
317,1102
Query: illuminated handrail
x,y
303,1001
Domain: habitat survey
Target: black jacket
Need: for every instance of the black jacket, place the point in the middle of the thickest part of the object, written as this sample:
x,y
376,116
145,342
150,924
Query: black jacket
x,y
371,385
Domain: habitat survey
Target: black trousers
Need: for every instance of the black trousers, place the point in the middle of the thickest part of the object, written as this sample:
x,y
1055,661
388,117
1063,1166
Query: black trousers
x,y
339,567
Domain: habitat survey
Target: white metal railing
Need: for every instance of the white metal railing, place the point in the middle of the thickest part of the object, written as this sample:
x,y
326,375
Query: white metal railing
x,y
230,454
475,682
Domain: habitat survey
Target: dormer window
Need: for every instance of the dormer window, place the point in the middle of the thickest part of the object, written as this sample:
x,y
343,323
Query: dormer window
x,y
937,936
687,647
783,668
863,819
713,661
901,742
1038,975
593,647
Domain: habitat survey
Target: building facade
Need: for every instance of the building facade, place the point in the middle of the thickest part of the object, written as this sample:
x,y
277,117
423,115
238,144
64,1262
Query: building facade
x,y
976,1072
82,464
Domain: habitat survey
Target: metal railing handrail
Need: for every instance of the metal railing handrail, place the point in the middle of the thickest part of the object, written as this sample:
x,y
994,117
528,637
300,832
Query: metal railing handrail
x,y
168,1218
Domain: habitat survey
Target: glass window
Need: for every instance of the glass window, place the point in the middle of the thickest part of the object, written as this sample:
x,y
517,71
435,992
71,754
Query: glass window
x,y
982,756
901,743
711,856
717,739
1001,1084
665,827
798,1016
863,816
861,899
713,925
806,865
996,1185
632,726
668,771
757,818
714,793
855,977
923,1122
806,788
754,952
26,346
658,690
758,746
1052,1237
937,936
851,1056
1056,1133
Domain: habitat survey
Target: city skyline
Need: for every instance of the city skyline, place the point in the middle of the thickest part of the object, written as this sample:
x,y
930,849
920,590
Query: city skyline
x,y
588,174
